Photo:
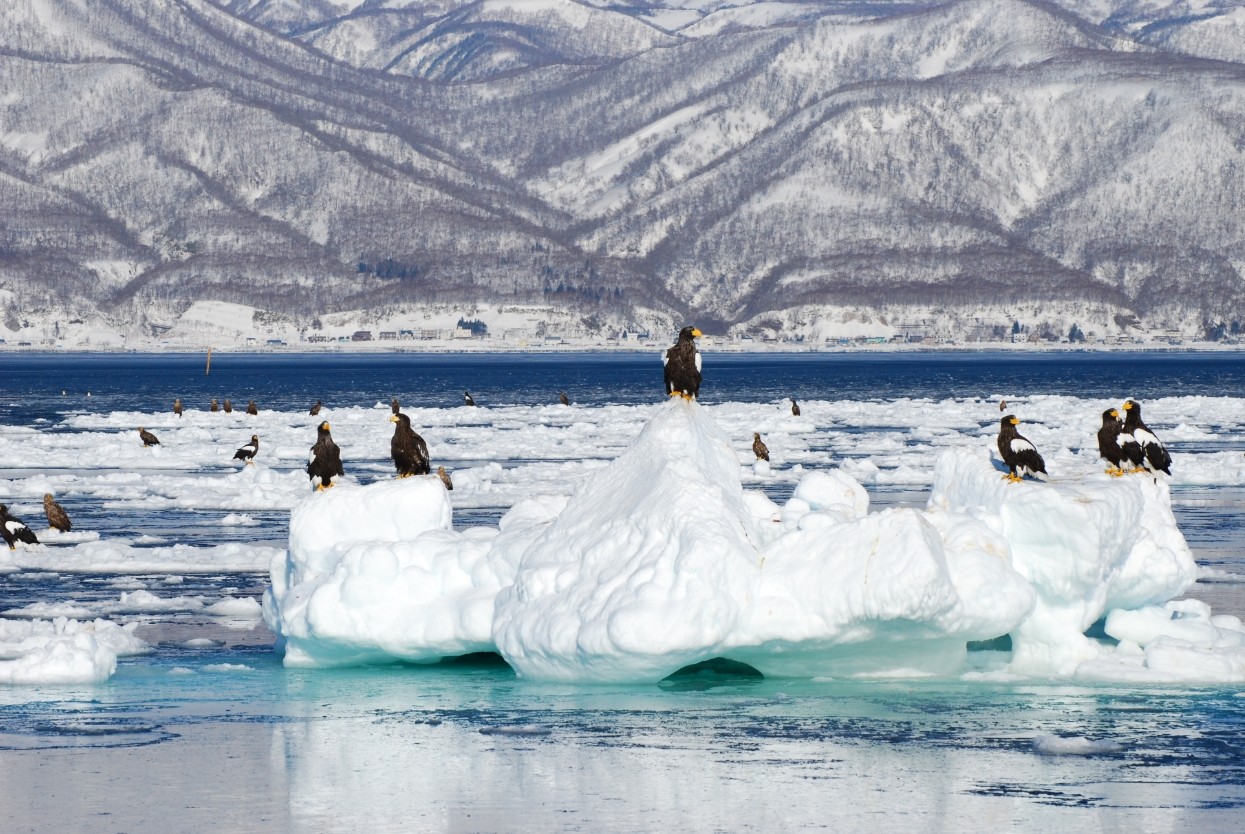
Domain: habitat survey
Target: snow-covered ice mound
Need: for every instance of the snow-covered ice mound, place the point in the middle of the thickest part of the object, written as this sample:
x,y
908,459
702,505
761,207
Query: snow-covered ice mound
x,y
376,573
661,559
63,651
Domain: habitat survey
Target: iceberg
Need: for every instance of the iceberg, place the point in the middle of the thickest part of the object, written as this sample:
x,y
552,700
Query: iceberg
x,y
661,559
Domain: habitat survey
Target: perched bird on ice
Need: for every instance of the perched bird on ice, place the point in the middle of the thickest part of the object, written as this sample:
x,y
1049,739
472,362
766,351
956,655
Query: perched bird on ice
x,y
315,409
13,530
1109,442
57,517
682,364
149,439
394,405
408,449
214,407
445,478
247,453
759,448
228,408
1018,453
1154,456
1002,405
795,408
251,408
562,398
325,460
468,399
177,406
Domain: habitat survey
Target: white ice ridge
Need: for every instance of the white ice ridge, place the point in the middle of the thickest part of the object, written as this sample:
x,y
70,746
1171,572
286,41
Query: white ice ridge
x,y
63,651
662,559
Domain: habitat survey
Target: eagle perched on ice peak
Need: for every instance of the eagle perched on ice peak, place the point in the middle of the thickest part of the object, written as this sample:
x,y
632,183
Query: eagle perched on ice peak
x,y
682,363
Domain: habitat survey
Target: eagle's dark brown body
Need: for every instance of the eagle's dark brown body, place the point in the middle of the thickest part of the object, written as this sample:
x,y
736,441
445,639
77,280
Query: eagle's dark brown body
x,y
57,517
325,460
682,363
409,451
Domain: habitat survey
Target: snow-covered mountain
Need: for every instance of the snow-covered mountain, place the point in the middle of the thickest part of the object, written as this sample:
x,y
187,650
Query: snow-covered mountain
x,y
758,165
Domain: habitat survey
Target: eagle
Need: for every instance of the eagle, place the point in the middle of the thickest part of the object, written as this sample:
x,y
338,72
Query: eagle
x,y
445,478
149,439
562,398
1154,456
247,453
795,408
214,407
682,364
57,517
1002,405
13,530
394,405
468,399
251,408
1018,453
315,409
409,451
1109,442
228,407
759,448
325,459
177,406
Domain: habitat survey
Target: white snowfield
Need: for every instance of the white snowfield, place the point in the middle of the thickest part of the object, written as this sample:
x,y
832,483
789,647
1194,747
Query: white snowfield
x,y
661,559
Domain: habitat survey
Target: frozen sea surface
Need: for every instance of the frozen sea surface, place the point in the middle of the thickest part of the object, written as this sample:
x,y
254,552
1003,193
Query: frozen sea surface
x,y
207,731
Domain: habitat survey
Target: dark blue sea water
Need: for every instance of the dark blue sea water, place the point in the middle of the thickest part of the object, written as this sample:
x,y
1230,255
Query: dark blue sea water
x,y
220,737
31,386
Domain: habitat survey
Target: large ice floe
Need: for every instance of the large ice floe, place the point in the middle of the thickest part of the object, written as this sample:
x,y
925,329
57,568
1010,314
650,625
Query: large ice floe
x,y
662,559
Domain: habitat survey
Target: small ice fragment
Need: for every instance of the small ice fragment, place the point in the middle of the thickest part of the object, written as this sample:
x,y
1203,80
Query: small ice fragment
x,y
1049,745
516,730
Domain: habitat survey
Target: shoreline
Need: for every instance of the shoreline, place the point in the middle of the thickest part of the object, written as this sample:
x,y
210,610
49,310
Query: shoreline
x,y
710,348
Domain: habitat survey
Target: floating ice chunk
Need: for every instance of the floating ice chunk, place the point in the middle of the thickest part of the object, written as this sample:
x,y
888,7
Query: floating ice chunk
x,y
238,520
646,569
1086,545
376,574
761,469
228,667
1049,745
240,607
516,730
63,651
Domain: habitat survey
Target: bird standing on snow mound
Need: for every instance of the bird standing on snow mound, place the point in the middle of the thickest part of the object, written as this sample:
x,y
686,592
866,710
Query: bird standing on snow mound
x,y
149,439
445,478
409,451
1154,456
394,405
795,408
1002,405
177,407
562,398
251,408
468,399
1109,442
315,409
57,517
247,452
682,363
14,530
759,448
228,407
325,460
1018,453
215,407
